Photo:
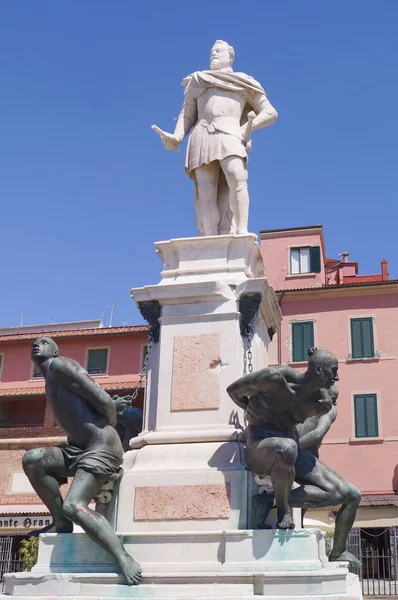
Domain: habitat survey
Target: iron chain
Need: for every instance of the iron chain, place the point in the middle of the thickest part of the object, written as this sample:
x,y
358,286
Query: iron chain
x,y
143,369
249,335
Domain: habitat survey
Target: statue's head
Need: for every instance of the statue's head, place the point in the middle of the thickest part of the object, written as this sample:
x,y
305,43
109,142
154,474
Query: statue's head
x,y
43,348
322,368
221,56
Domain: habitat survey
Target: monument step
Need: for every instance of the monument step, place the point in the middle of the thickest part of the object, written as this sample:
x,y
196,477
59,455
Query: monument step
x,y
324,584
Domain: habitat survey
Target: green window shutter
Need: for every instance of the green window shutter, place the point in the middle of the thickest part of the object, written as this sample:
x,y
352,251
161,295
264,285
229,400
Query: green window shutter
x,y
97,360
315,259
356,338
362,342
360,416
302,339
371,414
366,420
367,335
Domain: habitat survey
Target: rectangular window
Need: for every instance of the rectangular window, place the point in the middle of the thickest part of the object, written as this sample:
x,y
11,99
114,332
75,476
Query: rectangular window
x,y
36,371
362,342
302,339
305,260
365,410
22,412
97,361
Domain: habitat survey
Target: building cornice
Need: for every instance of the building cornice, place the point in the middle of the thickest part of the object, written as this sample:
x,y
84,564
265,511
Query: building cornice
x,y
345,291
74,333
29,390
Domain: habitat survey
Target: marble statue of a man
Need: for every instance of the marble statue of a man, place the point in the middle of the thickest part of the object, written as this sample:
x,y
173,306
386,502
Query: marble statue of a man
x,y
221,108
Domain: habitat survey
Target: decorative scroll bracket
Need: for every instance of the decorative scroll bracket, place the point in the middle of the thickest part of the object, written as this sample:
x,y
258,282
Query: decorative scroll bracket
x,y
248,306
151,312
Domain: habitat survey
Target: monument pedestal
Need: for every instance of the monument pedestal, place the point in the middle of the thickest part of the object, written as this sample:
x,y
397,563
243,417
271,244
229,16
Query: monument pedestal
x,y
184,501
224,565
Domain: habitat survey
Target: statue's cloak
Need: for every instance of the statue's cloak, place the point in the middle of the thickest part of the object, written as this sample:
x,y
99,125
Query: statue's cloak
x,y
235,82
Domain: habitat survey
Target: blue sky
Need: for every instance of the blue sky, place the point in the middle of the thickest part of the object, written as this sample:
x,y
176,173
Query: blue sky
x,y
86,187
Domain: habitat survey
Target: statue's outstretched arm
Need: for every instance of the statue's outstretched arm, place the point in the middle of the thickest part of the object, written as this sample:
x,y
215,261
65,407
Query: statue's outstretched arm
x,y
71,375
186,119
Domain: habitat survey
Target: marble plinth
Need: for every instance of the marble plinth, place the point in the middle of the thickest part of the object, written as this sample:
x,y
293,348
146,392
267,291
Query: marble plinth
x,y
224,564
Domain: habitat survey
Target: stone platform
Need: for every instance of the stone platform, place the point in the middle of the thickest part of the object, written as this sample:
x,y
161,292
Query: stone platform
x,y
203,564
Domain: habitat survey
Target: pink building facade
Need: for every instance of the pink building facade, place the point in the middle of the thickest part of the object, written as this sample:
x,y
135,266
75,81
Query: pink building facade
x,y
113,356
327,304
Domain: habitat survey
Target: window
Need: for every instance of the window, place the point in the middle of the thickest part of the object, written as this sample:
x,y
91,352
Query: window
x,y
97,361
305,260
1,365
302,339
362,343
365,410
36,371
22,412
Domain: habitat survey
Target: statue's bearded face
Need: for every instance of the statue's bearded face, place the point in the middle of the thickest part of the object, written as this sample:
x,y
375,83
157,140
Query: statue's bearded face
x,y
220,57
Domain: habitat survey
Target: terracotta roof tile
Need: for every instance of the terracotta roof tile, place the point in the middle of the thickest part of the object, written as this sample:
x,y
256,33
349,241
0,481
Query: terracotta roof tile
x,y
291,228
37,391
338,286
75,333
379,500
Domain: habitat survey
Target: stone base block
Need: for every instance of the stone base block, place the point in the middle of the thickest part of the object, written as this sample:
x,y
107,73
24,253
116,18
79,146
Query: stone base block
x,y
248,551
270,586
191,565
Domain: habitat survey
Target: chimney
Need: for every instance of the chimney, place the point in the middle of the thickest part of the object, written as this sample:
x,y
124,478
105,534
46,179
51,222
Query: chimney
x,y
345,256
384,270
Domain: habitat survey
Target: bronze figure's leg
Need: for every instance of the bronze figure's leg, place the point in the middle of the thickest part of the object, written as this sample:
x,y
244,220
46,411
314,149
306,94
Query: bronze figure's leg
x,y
85,486
39,465
322,487
275,457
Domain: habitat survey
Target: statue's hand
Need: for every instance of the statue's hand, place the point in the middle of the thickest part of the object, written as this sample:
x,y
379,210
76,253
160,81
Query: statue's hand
x,y
122,403
169,140
291,387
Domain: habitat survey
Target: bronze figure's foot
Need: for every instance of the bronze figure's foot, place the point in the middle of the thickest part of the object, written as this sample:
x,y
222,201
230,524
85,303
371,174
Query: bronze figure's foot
x,y
131,570
262,504
286,522
346,556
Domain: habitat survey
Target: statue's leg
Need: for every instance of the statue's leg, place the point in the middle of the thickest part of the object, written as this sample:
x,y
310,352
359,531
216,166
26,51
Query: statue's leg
x,y
198,216
41,466
236,175
322,487
206,207
276,457
227,223
85,486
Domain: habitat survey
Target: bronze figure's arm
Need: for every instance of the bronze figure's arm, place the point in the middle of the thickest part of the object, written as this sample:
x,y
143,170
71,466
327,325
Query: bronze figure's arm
x,y
315,437
71,375
270,381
